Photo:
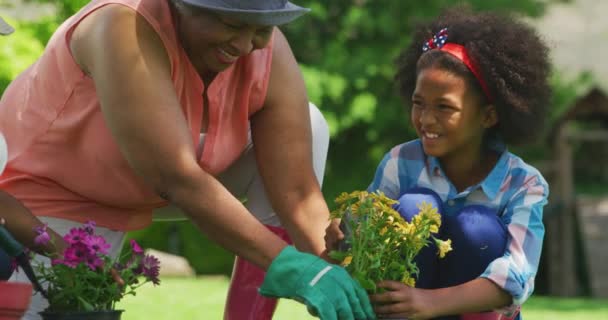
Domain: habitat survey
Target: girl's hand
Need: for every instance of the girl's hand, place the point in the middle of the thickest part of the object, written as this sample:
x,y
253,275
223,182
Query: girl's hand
x,y
402,302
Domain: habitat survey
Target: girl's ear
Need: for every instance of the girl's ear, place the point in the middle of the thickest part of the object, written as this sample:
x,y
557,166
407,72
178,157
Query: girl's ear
x,y
490,116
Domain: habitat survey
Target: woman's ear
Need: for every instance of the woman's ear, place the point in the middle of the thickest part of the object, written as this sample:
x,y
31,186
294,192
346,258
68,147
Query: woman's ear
x,y
490,116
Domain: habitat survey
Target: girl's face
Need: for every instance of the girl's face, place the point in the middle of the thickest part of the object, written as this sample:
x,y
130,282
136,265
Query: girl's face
x,y
214,42
449,115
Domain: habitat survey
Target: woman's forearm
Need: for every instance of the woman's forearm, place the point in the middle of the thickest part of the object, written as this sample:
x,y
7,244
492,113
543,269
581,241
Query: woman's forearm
x,y
20,222
478,295
306,219
223,218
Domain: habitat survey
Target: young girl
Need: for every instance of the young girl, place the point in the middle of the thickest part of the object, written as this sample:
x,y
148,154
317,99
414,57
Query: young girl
x,y
476,82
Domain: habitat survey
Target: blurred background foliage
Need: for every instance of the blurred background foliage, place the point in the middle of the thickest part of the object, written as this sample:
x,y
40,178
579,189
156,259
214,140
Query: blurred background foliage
x,y
346,49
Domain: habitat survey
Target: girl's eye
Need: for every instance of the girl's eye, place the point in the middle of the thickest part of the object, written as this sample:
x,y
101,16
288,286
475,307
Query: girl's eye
x,y
444,108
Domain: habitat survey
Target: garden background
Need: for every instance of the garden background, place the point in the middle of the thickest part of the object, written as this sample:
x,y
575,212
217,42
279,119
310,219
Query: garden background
x,y
346,50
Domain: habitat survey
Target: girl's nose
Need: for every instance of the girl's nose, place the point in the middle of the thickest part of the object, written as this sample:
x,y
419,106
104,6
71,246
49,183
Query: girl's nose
x,y
427,116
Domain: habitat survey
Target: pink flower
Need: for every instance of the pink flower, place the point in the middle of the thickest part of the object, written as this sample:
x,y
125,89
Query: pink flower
x,y
97,244
75,236
94,262
136,248
76,253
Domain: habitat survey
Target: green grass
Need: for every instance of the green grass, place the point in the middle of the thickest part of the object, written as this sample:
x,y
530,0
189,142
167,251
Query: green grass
x,y
203,298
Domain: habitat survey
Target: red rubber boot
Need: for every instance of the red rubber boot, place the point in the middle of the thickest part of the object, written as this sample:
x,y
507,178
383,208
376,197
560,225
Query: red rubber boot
x,y
244,302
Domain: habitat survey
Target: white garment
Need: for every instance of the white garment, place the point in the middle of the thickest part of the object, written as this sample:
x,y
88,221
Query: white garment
x,y
3,153
243,179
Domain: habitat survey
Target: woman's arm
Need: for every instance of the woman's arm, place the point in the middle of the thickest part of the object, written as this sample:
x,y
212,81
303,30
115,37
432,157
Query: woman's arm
x,y
283,144
20,223
131,71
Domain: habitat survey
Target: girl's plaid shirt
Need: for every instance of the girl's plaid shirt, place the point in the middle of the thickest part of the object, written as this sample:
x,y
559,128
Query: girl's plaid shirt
x,y
516,190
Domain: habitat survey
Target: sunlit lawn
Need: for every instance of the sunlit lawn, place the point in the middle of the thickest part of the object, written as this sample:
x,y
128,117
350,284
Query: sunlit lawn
x,y
203,298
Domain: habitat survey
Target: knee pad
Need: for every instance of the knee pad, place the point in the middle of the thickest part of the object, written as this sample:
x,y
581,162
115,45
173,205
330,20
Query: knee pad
x,y
411,199
478,237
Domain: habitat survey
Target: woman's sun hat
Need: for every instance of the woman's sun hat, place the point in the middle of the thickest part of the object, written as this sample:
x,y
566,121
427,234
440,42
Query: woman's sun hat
x,y
5,28
255,12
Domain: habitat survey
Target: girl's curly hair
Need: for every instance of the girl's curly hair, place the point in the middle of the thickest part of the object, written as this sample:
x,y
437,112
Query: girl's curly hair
x,y
511,57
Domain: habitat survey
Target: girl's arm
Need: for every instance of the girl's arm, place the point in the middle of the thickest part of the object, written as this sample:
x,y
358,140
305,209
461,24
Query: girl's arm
x,y
505,284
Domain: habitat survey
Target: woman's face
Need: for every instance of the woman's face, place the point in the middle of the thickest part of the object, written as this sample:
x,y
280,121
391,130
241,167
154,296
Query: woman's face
x,y
213,42
449,114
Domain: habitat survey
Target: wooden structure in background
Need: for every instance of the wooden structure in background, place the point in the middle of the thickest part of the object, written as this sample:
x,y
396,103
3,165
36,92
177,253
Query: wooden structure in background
x,y
577,214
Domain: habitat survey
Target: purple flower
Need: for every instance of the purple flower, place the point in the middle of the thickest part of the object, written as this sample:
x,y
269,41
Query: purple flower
x,y
42,236
89,227
94,262
136,248
97,244
150,267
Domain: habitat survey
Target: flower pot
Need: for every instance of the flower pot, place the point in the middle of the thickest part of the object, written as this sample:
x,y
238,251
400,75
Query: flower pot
x,y
14,299
89,315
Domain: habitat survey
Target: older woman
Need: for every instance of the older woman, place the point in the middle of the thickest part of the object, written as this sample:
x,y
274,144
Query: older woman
x,y
139,103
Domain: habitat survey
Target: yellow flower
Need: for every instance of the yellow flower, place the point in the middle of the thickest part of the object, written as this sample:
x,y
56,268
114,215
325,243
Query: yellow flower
x,y
383,231
347,261
444,247
408,281
343,197
434,228
427,210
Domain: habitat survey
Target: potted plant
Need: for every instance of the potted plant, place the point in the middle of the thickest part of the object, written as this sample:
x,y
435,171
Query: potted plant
x,y
85,282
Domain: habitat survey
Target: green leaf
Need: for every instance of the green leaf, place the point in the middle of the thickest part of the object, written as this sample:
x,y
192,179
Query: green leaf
x,y
365,283
86,305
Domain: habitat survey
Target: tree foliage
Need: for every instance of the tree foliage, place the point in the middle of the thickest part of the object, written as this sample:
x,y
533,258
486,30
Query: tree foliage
x,y
347,49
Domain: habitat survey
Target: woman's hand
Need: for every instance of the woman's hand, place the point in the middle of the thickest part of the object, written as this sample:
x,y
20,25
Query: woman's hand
x,y
333,235
401,301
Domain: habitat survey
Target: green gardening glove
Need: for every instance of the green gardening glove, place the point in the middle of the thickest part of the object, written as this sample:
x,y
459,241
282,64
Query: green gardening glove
x,y
326,289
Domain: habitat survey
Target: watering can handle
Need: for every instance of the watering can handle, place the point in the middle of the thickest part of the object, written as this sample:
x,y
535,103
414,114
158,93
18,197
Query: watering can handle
x,y
9,244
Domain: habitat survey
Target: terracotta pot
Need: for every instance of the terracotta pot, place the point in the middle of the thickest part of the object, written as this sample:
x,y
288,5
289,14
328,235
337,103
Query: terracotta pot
x,y
89,315
14,299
